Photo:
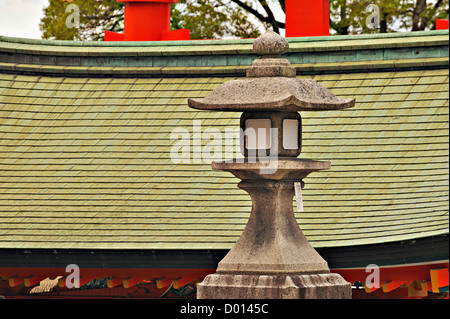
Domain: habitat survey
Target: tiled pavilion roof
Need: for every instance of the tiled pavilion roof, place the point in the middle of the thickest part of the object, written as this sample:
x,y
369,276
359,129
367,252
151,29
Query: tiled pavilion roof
x,y
85,142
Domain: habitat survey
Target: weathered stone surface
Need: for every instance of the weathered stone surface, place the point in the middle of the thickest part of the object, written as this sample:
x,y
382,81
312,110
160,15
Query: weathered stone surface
x,y
271,67
270,44
272,258
311,286
271,62
289,169
271,94
271,86
272,242
271,71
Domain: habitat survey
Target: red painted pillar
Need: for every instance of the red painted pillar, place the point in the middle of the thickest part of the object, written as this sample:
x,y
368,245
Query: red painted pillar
x,y
147,20
305,18
441,24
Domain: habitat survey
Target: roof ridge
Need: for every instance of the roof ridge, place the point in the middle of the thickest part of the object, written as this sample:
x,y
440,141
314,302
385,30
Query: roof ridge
x,y
305,68
216,41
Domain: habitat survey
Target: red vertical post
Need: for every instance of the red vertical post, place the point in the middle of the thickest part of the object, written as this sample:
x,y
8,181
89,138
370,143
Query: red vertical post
x,y
147,20
305,18
441,24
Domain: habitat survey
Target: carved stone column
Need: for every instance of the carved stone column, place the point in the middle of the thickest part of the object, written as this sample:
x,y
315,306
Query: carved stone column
x,y
272,258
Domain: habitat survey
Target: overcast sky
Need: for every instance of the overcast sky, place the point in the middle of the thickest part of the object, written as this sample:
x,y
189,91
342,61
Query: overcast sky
x,y
21,18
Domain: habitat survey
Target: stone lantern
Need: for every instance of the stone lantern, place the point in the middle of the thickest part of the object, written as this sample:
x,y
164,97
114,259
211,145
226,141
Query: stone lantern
x,y
272,259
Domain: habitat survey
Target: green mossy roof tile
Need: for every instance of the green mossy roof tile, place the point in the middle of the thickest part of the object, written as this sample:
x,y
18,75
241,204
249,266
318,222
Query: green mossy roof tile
x,y
85,156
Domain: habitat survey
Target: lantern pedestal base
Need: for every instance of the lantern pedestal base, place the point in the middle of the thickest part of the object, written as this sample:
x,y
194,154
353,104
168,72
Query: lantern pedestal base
x,y
272,258
307,286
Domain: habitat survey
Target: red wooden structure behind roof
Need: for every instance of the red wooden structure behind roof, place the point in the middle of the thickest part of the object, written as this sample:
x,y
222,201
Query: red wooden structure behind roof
x,y
147,20
442,24
306,18
135,274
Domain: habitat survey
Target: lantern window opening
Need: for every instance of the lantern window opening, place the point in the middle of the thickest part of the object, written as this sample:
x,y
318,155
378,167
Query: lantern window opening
x,y
291,134
258,134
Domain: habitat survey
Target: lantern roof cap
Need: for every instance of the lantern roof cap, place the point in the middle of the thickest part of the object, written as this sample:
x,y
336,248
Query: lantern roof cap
x,y
271,85
271,94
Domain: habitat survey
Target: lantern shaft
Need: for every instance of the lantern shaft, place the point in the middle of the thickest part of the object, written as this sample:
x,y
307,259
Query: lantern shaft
x,y
272,242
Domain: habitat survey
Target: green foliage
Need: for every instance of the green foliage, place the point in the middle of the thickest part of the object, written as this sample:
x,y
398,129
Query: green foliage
x,y
96,16
349,16
212,19
209,19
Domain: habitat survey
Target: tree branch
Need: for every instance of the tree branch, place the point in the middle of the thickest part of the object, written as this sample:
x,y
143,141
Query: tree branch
x,y
251,10
115,24
259,15
418,10
438,4
425,20
283,5
270,15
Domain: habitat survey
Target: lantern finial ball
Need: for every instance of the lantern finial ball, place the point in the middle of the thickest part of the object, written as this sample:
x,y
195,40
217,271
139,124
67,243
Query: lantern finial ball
x,y
270,44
